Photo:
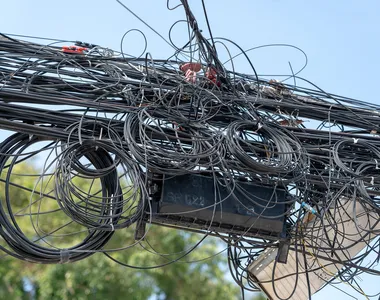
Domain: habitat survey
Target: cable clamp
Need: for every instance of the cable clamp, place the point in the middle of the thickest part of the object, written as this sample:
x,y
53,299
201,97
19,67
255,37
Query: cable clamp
x,y
65,256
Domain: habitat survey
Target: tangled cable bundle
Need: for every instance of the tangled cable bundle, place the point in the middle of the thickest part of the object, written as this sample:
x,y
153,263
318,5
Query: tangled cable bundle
x,y
103,122
19,244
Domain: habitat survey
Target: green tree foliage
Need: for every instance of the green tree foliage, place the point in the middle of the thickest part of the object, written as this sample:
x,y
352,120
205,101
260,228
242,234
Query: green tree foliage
x,y
98,277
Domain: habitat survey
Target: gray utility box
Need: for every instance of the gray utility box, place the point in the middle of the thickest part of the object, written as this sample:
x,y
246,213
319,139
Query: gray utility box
x,y
201,202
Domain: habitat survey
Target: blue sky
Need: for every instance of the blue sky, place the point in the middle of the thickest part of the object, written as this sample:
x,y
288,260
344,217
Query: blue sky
x,y
341,39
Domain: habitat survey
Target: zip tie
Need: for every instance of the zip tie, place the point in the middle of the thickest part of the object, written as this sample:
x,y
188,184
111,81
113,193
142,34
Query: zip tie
x,y
100,137
65,256
373,180
259,126
355,140
80,131
377,165
112,227
101,133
